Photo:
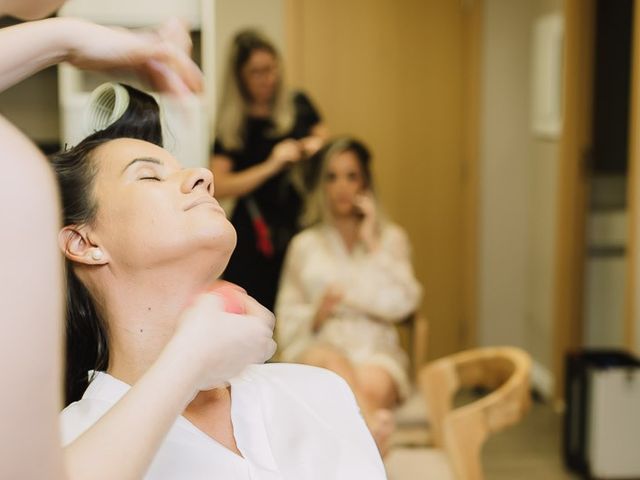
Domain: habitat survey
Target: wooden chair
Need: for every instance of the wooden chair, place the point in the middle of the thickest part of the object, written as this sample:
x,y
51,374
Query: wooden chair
x,y
413,334
459,433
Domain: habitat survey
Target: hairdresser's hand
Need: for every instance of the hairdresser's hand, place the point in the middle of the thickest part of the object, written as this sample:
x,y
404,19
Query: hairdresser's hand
x,y
311,144
285,152
219,345
368,231
328,303
161,57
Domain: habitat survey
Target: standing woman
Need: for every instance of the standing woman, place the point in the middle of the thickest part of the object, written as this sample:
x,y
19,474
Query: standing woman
x,y
262,130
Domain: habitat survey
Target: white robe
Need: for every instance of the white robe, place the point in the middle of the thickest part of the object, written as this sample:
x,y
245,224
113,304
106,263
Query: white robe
x,y
290,422
379,289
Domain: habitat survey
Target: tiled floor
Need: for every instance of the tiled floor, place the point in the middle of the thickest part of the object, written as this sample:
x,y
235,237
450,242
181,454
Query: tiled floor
x,y
529,450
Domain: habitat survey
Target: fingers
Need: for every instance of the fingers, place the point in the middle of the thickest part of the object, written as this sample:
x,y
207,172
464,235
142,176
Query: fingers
x,y
163,79
254,308
176,31
272,346
365,203
169,66
208,300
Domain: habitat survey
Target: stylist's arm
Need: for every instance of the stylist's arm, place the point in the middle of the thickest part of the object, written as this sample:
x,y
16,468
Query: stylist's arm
x,y
159,56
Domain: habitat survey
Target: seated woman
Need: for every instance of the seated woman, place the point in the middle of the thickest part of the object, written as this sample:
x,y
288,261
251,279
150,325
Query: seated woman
x,y
346,280
142,237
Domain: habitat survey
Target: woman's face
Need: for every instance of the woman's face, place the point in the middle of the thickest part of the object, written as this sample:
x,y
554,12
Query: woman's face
x,y
29,9
151,211
344,181
260,76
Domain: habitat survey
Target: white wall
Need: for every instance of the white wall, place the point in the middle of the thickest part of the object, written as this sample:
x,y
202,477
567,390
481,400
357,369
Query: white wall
x,y
505,157
518,183
234,15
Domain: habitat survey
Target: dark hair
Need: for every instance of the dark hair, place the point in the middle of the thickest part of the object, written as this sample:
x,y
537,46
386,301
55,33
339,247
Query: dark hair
x,y
244,44
87,340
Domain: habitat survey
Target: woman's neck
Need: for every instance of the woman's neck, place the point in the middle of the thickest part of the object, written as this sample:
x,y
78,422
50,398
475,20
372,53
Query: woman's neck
x,y
260,109
142,312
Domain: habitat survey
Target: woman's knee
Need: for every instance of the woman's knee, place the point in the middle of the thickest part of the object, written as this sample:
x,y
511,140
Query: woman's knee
x,y
377,385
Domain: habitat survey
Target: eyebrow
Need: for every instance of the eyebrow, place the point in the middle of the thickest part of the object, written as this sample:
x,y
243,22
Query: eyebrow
x,y
142,159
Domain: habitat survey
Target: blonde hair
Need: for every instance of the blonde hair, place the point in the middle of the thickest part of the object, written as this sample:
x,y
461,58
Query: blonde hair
x,y
316,208
233,102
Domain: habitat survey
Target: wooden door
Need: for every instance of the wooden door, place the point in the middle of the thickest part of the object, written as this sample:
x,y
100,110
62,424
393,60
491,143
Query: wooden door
x,y
632,317
575,144
402,76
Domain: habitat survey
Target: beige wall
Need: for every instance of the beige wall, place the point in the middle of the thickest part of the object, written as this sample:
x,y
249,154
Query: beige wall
x,y
518,190
543,211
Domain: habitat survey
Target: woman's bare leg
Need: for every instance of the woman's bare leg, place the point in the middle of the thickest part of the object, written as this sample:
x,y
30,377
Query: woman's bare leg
x,y
377,385
380,391
375,402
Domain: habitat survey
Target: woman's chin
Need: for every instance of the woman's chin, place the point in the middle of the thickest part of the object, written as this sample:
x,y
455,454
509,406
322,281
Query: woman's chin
x,y
222,245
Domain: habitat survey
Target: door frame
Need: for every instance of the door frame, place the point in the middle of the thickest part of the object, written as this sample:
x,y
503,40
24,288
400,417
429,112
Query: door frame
x,y
632,296
575,144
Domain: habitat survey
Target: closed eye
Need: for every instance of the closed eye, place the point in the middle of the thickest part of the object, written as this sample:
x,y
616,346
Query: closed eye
x,y
157,179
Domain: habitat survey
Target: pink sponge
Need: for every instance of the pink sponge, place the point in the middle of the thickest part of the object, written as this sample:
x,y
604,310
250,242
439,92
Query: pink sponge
x,y
232,296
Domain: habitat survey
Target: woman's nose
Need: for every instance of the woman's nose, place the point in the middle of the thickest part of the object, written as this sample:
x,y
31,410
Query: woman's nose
x,y
198,178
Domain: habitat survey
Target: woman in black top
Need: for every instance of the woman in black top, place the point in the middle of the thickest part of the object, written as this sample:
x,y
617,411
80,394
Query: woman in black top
x,y
263,130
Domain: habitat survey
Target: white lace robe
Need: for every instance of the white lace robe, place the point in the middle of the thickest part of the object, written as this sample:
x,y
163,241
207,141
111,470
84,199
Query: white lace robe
x,y
379,289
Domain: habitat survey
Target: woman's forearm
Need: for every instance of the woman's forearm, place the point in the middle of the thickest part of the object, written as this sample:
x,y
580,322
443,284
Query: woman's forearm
x,y
30,47
140,422
237,184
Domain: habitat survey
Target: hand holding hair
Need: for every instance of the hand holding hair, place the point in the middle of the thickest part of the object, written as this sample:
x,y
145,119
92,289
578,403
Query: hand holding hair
x,y
286,152
161,56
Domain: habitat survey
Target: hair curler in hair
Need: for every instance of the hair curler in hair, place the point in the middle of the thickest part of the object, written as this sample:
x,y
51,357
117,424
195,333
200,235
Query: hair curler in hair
x,y
107,104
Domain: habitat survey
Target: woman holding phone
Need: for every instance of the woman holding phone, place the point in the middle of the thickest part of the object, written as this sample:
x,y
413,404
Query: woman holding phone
x,y
347,278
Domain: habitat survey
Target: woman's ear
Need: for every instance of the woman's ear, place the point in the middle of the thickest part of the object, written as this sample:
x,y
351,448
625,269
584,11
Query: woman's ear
x,y
76,246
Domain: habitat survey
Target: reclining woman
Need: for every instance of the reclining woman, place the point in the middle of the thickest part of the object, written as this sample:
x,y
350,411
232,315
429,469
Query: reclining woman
x,y
346,280
142,237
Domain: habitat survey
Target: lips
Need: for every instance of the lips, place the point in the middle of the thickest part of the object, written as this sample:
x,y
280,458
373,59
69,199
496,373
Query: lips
x,y
204,201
